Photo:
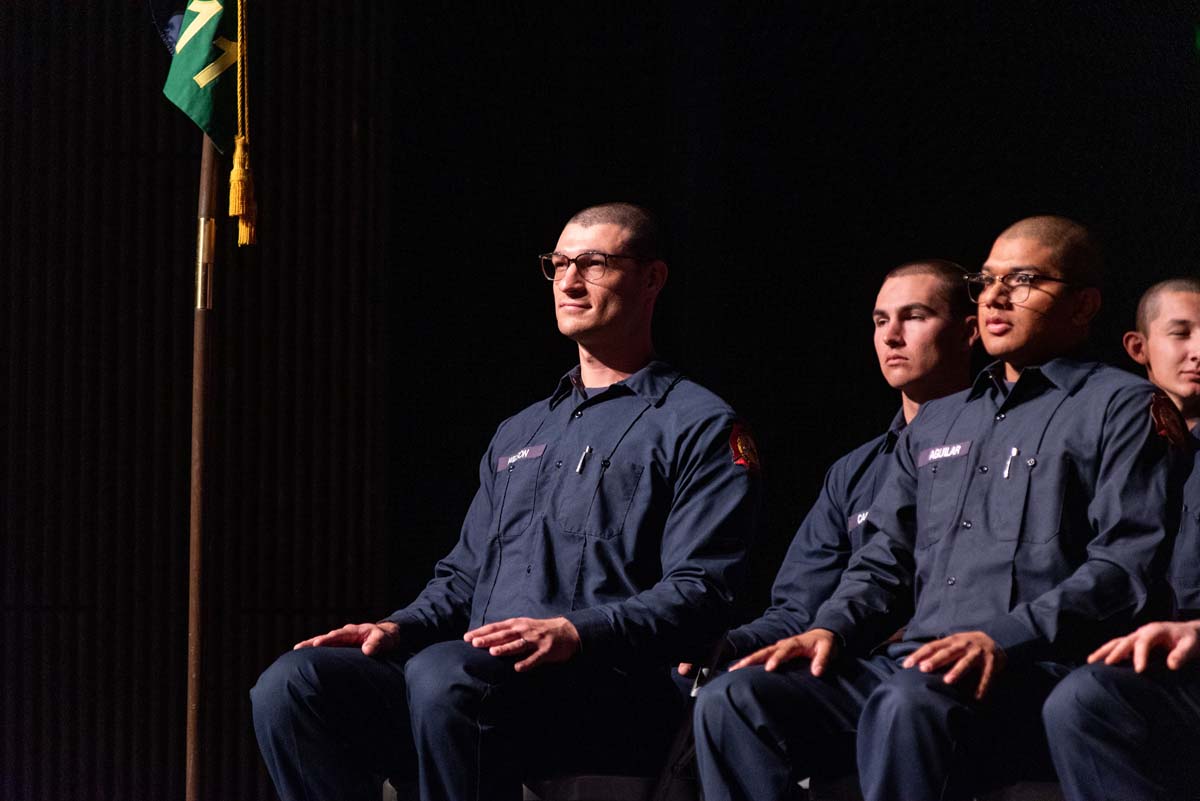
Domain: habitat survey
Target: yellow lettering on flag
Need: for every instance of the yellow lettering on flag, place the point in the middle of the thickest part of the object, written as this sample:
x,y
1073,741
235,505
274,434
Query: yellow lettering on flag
x,y
205,11
228,58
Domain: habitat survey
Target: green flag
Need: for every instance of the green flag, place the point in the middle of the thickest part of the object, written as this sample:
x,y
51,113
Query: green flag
x,y
203,76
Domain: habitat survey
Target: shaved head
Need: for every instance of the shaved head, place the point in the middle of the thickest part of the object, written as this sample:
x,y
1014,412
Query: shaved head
x,y
644,237
1076,250
953,289
1147,309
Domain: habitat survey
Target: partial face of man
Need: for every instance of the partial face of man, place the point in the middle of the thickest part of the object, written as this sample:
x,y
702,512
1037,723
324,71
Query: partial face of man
x,y
1170,347
612,309
915,336
1041,326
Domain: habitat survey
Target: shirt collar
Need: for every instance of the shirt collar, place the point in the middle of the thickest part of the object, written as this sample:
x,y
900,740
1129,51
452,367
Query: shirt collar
x,y
894,430
1063,373
652,383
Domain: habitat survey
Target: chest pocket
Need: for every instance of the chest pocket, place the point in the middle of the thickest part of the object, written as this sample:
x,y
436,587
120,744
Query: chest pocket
x,y
1028,504
598,505
939,483
517,488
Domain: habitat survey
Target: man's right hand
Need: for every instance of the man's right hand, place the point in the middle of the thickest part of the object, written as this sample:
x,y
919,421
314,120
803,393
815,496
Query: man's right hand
x,y
819,645
1180,641
374,638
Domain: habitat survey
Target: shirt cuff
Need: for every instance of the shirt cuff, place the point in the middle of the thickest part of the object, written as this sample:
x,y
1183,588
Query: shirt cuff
x,y
593,627
1012,635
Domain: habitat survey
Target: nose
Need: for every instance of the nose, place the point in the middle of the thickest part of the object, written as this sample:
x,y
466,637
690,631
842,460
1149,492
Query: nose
x,y
893,333
571,281
990,296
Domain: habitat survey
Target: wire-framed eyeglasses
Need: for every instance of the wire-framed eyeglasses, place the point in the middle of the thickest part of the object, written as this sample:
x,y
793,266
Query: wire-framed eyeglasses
x,y
1016,285
591,264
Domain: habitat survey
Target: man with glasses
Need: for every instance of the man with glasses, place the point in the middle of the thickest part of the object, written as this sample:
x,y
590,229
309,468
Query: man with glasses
x,y
1016,531
1127,725
609,529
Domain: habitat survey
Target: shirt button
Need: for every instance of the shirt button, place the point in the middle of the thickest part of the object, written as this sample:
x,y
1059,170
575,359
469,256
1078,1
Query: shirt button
x,y
528,569
951,581
983,468
1031,462
512,467
558,463
966,524
578,414
999,417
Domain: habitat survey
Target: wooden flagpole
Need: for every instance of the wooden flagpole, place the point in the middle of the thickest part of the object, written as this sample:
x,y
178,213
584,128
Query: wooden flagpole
x,y
205,256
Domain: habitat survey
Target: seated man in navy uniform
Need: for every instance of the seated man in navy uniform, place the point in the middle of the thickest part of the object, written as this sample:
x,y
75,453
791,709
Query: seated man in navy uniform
x,y
609,529
1127,726
924,324
1015,533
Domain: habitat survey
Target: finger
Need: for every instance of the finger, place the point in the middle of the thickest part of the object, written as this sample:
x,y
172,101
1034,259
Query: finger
x,y
820,657
942,657
513,647
779,655
1141,652
375,641
922,652
964,663
985,677
1120,651
757,658
533,660
1102,651
496,638
483,631
685,668
1184,651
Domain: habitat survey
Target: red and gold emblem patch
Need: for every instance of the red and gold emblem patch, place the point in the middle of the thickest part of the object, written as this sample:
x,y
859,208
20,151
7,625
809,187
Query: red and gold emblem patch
x,y
744,450
1168,421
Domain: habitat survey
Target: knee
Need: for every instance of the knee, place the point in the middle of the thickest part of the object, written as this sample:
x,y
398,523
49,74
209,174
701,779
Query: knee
x,y
731,696
442,677
286,683
1083,695
908,695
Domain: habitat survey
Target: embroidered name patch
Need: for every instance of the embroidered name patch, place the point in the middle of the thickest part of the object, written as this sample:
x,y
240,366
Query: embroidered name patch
x,y
857,520
943,452
532,452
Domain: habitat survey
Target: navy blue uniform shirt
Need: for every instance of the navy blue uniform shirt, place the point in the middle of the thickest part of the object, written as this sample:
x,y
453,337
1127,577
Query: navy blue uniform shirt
x,y
629,512
1184,571
1031,514
832,530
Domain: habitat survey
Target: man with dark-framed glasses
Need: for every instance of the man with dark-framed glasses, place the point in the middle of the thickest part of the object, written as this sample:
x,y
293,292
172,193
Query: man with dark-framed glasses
x,y
609,529
1018,529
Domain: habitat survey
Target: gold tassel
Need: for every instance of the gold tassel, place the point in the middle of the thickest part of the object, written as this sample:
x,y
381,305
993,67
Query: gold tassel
x,y
241,180
248,225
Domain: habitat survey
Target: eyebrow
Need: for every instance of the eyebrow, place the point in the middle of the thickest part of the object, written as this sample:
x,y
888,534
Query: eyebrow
x,y
1019,269
1178,322
908,307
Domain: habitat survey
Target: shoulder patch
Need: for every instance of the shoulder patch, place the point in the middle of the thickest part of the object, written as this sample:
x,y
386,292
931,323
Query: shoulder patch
x,y
745,452
1168,421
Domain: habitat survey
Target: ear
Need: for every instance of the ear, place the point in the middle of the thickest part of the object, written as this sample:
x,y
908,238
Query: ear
x,y
1087,306
971,329
1135,346
655,276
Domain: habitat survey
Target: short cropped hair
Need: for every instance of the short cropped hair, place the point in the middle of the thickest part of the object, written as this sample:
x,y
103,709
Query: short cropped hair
x,y
1079,253
645,234
950,277
1147,308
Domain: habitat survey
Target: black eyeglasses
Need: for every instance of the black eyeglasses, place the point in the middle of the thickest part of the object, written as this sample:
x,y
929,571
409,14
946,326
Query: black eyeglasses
x,y
591,264
1016,285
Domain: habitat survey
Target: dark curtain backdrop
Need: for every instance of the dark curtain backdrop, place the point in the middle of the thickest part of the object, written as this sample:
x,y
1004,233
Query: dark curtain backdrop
x,y
411,161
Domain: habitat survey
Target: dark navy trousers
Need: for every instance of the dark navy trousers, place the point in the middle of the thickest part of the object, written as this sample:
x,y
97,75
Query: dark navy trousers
x,y
332,723
1118,735
911,735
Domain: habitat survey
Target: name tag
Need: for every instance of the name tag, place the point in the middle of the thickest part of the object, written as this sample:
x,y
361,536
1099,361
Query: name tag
x,y
532,452
944,452
857,520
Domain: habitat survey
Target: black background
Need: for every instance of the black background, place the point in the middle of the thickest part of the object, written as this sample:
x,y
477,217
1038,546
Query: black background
x,y
411,162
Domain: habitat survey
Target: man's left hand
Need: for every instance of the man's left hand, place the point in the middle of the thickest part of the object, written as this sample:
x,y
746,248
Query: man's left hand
x,y
969,651
542,641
